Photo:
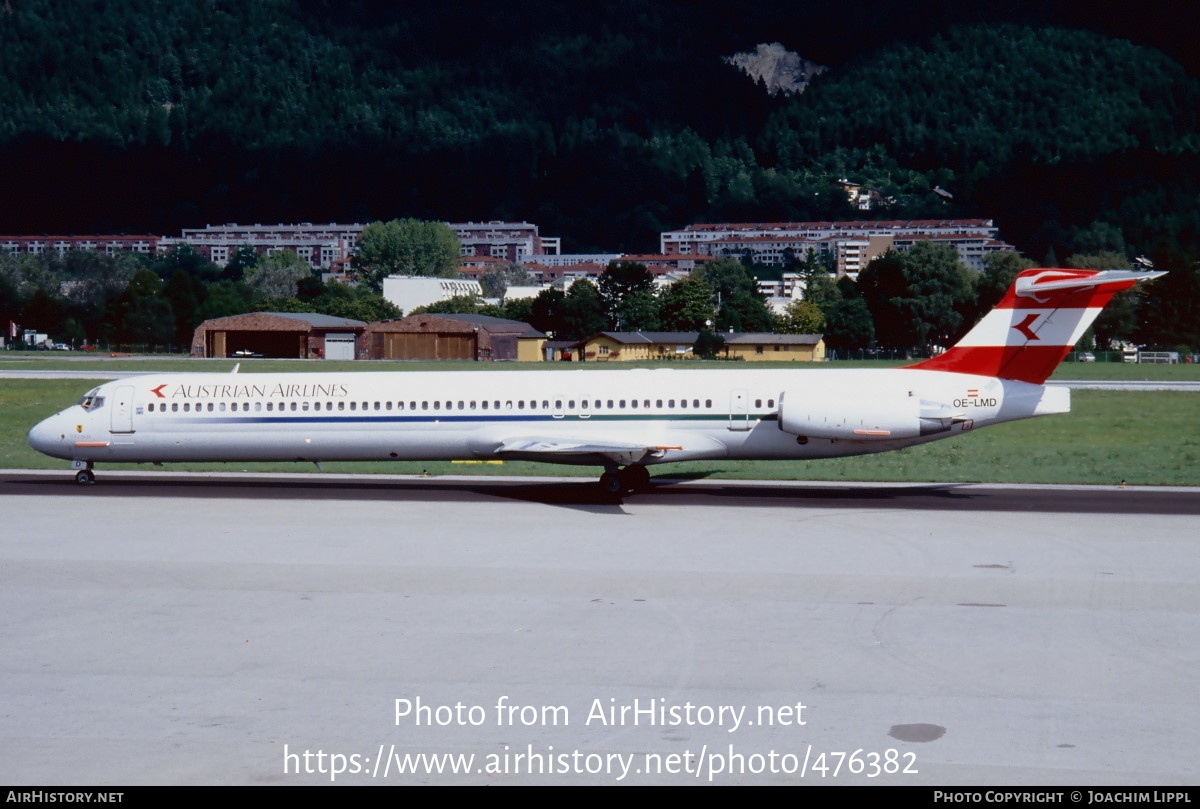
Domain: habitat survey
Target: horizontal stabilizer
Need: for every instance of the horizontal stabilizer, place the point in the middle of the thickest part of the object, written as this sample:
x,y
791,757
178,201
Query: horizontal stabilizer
x,y
1048,281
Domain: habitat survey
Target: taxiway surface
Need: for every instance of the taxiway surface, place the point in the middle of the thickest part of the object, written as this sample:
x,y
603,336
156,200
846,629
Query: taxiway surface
x,y
214,629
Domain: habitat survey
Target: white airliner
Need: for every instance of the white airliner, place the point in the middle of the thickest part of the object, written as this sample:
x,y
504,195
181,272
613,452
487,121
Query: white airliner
x,y
622,420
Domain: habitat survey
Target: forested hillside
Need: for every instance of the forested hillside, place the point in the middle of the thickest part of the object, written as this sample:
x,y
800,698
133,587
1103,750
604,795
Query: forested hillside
x,y
604,124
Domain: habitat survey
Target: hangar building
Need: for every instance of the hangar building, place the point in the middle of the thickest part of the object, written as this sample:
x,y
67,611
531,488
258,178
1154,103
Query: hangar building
x,y
283,335
451,337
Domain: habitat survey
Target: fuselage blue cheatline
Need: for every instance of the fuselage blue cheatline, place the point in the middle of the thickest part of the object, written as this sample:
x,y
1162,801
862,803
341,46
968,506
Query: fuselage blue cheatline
x,y
622,420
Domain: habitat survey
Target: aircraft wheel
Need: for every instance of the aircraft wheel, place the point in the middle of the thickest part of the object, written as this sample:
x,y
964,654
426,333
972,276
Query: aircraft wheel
x,y
636,477
85,477
612,483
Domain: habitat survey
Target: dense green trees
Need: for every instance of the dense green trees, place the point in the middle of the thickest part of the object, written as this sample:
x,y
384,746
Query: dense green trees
x,y
918,298
604,124
802,317
277,274
405,247
627,291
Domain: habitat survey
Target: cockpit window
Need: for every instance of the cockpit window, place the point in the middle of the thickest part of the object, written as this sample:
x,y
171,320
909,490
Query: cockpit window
x,y
91,401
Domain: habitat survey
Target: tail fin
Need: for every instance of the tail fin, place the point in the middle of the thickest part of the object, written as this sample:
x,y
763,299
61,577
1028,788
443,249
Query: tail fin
x,y
1036,323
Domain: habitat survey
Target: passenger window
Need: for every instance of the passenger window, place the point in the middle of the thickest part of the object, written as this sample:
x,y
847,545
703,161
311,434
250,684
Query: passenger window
x,y
293,407
304,407
187,408
174,407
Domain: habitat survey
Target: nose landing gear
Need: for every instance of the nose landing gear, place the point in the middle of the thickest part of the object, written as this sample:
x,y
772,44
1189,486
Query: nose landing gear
x,y
84,476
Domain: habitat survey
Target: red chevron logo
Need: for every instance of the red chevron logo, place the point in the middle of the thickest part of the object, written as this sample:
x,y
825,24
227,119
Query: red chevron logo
x,y
158,391
1024,325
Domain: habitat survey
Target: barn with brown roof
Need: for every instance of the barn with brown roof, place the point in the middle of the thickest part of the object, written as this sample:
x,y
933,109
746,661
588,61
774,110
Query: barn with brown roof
x,y
283,335
451,337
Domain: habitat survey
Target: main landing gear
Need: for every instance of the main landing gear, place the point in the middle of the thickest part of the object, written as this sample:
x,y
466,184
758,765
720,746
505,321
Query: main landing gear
x,y
634,478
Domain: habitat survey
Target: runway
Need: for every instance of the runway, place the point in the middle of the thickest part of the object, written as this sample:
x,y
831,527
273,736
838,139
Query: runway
x,y
166,628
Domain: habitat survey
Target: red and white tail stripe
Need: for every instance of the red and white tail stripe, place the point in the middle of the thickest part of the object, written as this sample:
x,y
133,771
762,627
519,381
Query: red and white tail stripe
x,y
1037,323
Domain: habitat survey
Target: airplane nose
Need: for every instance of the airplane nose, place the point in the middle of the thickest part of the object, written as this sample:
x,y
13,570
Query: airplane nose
x,y
46,437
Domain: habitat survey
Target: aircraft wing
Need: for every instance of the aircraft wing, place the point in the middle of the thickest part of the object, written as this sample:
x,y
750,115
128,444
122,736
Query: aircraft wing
x,y
561,449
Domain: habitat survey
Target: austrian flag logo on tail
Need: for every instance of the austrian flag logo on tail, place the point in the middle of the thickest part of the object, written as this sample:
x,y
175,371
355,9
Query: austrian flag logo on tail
x,y
158,391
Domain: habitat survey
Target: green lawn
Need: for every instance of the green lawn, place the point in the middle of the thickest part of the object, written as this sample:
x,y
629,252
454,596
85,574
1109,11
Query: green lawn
x,y
1111,436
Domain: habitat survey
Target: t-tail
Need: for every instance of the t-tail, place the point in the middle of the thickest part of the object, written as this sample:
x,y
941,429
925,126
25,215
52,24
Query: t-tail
x,y
1035,325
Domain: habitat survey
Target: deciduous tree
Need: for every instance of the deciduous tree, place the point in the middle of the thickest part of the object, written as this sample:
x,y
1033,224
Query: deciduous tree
x,y
405,247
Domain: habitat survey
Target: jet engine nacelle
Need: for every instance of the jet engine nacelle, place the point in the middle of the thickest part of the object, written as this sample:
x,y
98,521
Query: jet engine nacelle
x,y
881,415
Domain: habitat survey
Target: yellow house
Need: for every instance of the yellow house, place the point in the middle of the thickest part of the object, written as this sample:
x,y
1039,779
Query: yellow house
x,y
628,346
765,347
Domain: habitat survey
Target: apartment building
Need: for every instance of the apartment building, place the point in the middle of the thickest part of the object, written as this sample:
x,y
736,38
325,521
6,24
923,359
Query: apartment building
x,y
851,245
44,245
